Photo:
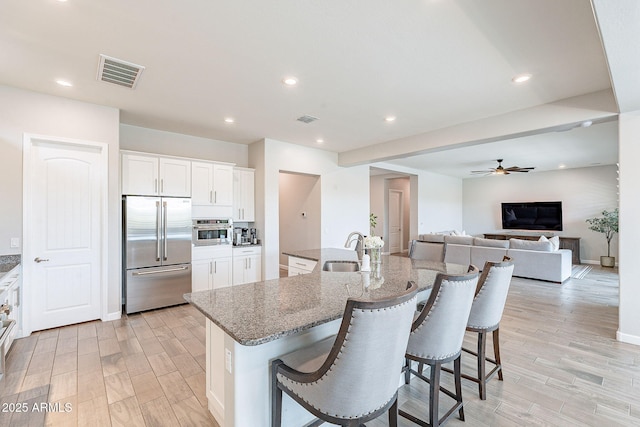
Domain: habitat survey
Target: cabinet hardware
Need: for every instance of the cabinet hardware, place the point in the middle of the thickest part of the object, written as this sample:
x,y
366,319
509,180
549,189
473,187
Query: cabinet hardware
x,y
39,260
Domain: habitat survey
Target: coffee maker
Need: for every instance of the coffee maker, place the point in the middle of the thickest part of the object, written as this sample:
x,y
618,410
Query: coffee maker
x,y
245,236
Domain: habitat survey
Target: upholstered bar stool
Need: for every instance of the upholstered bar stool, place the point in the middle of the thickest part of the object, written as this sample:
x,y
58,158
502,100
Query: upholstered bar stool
x,y
436,338
486,312
352,378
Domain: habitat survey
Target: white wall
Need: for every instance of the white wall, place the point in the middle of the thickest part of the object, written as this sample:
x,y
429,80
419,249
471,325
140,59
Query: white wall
x,y
30,112
584,193
629,314
176,144
344,194
299,193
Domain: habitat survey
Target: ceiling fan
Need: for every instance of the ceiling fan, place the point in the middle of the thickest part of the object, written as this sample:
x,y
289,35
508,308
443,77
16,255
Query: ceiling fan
x,y
500,170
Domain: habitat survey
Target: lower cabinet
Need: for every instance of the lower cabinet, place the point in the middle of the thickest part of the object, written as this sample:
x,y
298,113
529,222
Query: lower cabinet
x,y
247,264
300,266
10,300
211,267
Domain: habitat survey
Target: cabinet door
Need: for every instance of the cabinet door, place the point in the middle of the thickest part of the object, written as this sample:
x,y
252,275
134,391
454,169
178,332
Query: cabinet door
x,y
139,175
222,272
201,275
239,267
248,202
243,195
253,273
238,203
222,185
175,177
201,184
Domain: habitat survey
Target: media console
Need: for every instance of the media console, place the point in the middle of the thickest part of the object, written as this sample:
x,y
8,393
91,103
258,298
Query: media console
x,y
572,243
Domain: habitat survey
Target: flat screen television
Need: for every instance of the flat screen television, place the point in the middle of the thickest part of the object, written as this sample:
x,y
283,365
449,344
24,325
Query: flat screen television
x,y
532,216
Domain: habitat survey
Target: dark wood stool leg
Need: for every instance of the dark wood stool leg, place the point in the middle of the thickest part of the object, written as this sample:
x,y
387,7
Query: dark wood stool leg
x,y
407,371
393,414
496,351
482,374
434,394
276,398
458,380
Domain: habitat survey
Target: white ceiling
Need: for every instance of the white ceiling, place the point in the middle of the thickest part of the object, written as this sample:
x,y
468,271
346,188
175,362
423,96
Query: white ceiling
x,y
431,63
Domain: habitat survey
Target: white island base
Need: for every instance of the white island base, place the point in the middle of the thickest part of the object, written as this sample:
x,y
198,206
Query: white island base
x,y
239,377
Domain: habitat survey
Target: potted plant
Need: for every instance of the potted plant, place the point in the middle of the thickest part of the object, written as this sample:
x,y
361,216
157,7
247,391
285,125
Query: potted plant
x,y
608,225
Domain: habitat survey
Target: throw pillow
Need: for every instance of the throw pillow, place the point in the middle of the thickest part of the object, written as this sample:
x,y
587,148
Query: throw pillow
x,y
555,242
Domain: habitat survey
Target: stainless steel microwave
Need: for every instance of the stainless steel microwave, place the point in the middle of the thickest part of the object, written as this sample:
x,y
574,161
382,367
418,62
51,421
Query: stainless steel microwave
x,y
212,232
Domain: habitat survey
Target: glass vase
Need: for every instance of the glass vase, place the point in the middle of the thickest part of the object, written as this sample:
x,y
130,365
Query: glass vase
x,y
374,255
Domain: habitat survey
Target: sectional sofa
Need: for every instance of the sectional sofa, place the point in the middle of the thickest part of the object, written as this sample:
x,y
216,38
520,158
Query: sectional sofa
x,y
539,260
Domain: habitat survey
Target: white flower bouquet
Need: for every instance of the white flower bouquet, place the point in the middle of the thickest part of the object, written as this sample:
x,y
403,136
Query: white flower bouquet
x,y
373,242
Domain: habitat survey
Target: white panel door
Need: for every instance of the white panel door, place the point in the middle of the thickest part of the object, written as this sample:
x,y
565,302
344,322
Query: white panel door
x,y
175,177
67,185
395,221
222,185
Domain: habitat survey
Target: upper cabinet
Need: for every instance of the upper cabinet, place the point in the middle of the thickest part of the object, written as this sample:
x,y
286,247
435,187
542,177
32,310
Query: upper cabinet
x,y
243,195
149,175
212,189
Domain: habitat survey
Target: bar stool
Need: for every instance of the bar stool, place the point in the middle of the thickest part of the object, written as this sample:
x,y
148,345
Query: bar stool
x,y
436,338
352,378
486,312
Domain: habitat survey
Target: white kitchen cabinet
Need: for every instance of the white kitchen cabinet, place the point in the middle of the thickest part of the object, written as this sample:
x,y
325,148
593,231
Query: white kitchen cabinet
x,y
243,195
149,175
10,291
300,266
247,264
211,267
212,189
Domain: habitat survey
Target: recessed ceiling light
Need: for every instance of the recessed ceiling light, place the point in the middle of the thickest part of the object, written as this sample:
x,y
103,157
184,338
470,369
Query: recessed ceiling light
x,y
521,78
562,166
390,119
229,120
290,81
320,140
64,83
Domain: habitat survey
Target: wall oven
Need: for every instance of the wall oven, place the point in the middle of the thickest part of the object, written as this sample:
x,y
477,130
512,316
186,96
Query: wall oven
x,y
212,232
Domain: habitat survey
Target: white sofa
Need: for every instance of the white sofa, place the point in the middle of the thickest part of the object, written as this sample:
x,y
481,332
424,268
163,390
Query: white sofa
x,y
532,259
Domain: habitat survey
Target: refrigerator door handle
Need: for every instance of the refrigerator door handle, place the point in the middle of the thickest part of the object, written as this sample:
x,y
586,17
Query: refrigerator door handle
x,y
144,273
164,230
157,231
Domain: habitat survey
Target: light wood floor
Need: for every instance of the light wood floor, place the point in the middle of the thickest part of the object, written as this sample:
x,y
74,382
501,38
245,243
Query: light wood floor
x,y
562,367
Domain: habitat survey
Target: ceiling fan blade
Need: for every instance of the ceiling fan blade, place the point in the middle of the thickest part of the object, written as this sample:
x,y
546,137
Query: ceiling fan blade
x,y
517,169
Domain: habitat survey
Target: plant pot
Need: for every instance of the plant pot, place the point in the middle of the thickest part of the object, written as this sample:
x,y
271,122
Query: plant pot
x,y
608,261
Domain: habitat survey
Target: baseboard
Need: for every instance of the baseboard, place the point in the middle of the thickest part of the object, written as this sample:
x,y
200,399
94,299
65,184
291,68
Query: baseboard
x,y
284,267
112,316
630,339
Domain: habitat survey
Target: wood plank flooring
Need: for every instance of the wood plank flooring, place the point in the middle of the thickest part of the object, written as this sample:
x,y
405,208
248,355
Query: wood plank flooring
x,y
562,367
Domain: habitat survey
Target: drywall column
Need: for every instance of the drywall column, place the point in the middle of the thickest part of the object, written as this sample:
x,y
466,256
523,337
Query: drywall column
x,y
629,236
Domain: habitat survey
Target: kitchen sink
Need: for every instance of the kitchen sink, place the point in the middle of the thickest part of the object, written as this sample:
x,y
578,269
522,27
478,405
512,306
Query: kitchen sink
x,y
341,266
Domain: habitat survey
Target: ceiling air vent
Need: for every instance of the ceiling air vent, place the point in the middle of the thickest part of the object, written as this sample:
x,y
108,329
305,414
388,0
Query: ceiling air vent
x,y
307,119
119,72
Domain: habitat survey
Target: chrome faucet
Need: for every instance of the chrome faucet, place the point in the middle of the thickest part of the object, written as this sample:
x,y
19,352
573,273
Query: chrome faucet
x,y
359,243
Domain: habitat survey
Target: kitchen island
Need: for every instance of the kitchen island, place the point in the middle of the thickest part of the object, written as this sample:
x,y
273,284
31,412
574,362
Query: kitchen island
x,y
250,325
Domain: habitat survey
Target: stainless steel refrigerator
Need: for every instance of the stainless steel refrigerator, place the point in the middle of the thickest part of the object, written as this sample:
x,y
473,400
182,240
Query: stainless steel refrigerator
x,y
157,251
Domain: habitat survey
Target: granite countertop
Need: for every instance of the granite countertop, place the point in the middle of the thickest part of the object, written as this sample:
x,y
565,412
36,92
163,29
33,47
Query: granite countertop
x,y
257,313
8,263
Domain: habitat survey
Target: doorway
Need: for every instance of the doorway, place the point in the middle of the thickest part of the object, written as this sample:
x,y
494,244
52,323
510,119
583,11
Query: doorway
x,y
395,221
65,202
299,212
